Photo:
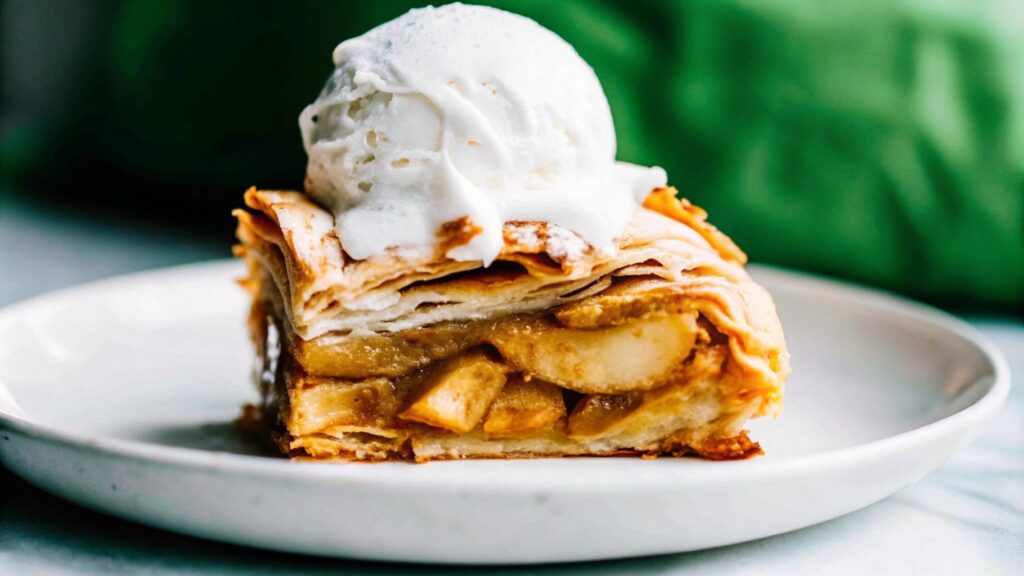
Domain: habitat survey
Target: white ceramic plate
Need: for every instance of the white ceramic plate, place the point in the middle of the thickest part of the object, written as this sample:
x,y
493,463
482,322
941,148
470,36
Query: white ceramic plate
x,y
119,396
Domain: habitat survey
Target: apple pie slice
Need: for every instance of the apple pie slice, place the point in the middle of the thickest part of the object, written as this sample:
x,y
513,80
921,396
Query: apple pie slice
x,y
665,346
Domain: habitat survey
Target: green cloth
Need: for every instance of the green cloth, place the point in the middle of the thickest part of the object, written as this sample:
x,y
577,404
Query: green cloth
x,y
881,141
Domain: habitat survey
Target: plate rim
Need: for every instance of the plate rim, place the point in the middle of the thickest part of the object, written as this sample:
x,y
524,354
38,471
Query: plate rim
x,y
205,460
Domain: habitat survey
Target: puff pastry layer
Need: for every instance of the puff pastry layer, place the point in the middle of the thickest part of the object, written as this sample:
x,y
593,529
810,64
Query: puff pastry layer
x,y
665,346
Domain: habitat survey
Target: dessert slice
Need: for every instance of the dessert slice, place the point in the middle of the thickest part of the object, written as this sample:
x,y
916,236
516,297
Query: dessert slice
x,y
661,346
471,273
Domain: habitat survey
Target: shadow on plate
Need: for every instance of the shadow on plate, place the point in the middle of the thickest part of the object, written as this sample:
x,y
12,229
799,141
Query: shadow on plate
x,y
209,437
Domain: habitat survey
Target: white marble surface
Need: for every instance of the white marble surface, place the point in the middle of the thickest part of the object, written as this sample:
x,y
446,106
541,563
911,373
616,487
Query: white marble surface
x,y
965,518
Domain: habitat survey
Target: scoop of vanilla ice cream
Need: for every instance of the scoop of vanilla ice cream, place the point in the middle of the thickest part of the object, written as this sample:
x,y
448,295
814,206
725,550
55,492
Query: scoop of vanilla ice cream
x,y
465,111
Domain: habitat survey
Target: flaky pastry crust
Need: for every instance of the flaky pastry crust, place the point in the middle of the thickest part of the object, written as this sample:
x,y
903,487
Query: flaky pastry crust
x,y
663,346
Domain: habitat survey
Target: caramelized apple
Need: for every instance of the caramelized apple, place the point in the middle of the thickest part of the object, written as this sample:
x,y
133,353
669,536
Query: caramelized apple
x,y
640,355
337,403
385,354
524,407
458,392
598,414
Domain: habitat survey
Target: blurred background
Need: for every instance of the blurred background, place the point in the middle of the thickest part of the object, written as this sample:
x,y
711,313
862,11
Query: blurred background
x,y
876,140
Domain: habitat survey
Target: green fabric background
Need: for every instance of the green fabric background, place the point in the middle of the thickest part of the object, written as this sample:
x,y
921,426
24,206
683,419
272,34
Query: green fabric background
x,y
881,141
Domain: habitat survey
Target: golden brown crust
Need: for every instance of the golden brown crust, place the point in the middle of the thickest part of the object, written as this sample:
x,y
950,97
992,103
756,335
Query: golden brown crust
x,y
666,201
738,446
325,291
664,347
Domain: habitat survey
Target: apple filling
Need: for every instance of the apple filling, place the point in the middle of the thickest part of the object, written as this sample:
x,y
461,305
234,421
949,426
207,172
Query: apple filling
x,y
661,346
525,378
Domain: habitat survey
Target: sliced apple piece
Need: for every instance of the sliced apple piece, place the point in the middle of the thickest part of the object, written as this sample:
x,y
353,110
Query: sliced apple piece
x,y
626,300
381,354
523,407
640,355
458,392
691,402
334,403
597,414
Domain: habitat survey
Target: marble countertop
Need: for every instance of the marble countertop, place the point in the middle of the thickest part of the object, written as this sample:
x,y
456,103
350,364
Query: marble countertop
x,y
967,517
